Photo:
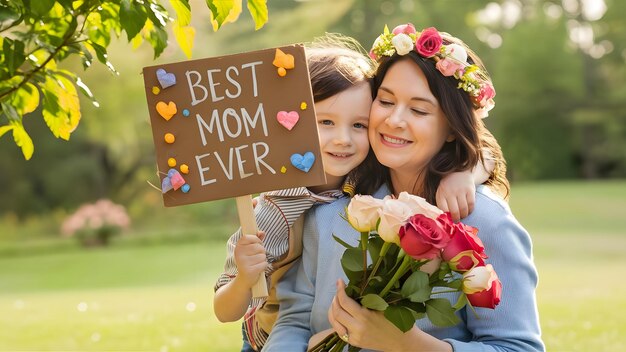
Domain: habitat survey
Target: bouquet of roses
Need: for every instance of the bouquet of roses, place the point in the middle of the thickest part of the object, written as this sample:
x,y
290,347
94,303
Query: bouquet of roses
x,y
417,253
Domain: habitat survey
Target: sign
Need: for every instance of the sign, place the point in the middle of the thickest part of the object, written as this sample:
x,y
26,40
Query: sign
x,y
233,125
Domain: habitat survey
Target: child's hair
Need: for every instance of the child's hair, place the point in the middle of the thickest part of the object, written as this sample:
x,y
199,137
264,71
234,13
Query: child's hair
x,y
472,137
338,63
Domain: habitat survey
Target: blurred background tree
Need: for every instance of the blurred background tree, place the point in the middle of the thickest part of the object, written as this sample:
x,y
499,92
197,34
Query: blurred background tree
x,y
558,68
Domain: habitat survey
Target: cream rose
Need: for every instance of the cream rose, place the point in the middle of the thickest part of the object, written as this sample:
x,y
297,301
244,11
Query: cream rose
x,y
419,205
363,212
393,214
403,43
479,279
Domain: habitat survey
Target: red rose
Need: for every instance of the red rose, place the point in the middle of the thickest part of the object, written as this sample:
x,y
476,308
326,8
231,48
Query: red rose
x,y
404,28
422,237
488,298
429,42
464,238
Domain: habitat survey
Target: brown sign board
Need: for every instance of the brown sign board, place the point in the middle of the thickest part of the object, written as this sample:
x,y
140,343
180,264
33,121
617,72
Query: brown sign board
x,y
233,125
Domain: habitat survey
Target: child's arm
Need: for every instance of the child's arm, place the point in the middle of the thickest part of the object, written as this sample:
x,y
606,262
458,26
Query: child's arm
x,y
232,300
457,191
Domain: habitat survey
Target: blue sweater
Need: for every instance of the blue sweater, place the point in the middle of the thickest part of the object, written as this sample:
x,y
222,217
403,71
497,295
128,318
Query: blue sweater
x,y
306,291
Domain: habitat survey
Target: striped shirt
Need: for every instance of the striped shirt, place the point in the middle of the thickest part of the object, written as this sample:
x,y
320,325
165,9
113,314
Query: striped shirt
x,y
276,213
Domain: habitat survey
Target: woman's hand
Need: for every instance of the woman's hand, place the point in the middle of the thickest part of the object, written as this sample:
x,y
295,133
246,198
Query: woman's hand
x,y
370,329
363,327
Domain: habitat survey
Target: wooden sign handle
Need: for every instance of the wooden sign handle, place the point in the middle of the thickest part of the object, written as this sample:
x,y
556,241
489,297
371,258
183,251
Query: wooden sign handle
x,y
249,227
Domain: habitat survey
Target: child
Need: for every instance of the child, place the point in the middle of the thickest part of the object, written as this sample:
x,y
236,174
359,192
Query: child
x,y
342,94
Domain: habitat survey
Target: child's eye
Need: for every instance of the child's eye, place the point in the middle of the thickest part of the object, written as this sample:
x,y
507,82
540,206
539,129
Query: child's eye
x,y
359,125
326,122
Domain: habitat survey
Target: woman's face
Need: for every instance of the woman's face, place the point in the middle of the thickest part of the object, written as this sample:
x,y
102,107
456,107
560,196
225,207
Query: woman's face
x,y
342,123
407,126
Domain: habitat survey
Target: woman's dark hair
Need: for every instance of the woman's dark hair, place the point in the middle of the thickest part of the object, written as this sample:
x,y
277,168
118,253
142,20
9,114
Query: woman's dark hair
x,y
472,137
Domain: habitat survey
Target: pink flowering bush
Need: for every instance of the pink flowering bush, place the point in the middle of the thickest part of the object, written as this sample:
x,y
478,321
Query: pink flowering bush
x,y
94,224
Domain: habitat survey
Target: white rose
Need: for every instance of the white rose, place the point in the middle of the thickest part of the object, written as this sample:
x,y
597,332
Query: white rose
x,y
393,215
457,52
363,212
419,205
403,43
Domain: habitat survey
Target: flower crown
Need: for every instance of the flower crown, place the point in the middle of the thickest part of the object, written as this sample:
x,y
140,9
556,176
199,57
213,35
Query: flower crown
x,y
451,60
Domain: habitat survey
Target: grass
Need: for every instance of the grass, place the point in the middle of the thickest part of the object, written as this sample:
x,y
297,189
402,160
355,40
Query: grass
x,y
159,297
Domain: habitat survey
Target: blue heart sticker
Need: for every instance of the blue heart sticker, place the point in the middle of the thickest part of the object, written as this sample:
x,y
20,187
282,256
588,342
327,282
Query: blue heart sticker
x,y
303,162
165,79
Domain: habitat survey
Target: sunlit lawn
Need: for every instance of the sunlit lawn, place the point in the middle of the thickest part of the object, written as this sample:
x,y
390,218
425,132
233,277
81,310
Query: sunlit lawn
x,y
158,298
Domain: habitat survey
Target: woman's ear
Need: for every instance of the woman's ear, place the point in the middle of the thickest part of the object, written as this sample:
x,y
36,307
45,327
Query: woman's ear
x,y
451,137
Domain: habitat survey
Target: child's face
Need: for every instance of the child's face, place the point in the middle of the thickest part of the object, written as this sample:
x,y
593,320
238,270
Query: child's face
x,y
342,123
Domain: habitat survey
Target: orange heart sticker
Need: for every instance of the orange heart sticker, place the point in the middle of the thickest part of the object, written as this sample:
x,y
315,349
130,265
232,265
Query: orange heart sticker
x,y
166,110
283,60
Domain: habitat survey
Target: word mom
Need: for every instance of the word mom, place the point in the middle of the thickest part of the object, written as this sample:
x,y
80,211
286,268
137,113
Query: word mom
x,y
234,123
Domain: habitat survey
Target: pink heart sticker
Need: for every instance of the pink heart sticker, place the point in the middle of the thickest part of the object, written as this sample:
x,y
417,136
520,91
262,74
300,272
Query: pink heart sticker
x,y
288,119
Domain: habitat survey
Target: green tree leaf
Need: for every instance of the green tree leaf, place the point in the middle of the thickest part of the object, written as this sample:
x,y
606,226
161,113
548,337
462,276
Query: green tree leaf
x,y
13,54
26,99
41,7
401,317
258,10
416,287
441,313
133,17
222,11
374,302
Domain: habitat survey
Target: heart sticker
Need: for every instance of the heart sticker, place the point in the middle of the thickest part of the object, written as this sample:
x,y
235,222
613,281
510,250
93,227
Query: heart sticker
x,y
303,162
165,79
166,110
287,119
174,180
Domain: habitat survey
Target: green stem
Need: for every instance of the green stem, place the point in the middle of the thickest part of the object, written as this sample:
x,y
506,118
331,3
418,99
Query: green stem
x,y
364,239
383,251
406,264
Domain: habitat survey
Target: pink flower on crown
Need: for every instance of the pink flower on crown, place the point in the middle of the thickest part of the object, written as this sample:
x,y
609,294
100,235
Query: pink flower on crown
x,y
485,96
448,67
404,28
429,42
372,55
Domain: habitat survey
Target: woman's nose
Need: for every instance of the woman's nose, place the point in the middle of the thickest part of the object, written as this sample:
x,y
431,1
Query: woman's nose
x,y
396,118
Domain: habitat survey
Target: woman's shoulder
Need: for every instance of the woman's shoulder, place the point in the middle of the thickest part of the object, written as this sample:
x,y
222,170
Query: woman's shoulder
x,y
489,201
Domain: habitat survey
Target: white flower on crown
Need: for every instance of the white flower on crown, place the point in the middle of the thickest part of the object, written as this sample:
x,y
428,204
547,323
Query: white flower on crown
x,y
403,43
457,52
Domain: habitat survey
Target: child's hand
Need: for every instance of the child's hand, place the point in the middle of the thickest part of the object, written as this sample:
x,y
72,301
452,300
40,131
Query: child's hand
x,y
456,194
250,258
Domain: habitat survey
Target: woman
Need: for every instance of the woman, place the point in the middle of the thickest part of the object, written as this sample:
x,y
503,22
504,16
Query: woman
x,y
425,122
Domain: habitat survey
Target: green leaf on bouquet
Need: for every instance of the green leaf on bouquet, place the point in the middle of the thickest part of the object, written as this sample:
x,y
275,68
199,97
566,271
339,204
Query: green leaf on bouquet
x,y
352,260
342,242
441,313
416,287
401,317
375,244
462,301
374,302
